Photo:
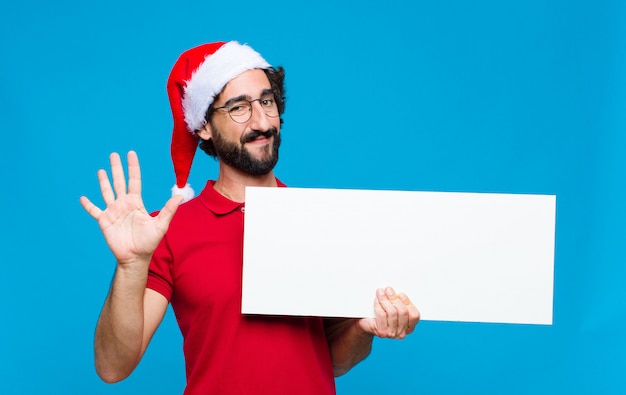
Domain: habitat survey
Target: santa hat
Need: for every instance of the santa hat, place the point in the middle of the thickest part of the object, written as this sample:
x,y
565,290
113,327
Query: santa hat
x,y
197,77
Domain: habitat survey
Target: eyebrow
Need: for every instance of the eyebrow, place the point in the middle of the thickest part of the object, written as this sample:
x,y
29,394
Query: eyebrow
x,y
264,92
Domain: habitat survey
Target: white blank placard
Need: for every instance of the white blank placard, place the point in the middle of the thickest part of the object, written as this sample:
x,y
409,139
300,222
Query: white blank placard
x,y
474,257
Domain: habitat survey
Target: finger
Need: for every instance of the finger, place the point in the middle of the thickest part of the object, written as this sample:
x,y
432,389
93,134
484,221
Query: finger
x,y
405,299
402,313
405,319
134,173
388,302
117,171
381,316
414,318
413,313
167,212
368,325
91,208
105,187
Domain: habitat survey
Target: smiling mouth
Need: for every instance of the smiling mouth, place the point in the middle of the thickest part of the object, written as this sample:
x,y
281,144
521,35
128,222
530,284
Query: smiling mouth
x,y
260,142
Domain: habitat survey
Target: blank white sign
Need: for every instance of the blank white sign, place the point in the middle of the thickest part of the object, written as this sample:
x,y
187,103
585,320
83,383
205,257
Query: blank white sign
x,y
474,257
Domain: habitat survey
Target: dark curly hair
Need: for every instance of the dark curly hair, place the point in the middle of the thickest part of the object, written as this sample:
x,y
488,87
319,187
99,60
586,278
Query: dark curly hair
x,y
276,75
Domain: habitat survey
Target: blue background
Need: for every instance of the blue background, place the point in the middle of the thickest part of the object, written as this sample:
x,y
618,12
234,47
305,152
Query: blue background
x,y
481,96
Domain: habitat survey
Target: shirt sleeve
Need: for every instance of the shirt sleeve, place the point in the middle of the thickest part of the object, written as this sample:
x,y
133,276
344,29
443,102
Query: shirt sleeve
x,y
160,277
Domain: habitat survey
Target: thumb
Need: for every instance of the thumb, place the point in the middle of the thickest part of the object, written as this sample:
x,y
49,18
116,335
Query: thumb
x,y
367,325
167,212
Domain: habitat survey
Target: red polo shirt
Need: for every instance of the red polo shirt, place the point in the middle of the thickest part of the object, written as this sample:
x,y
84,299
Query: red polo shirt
x,y
198,268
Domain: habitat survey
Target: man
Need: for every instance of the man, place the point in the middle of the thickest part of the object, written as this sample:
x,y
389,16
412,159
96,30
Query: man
x,y
228,98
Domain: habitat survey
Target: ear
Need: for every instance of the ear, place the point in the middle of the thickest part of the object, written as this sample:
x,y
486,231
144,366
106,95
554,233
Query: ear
x,y
206,132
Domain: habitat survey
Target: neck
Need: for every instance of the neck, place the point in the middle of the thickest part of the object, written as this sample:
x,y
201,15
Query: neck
x,y
232,183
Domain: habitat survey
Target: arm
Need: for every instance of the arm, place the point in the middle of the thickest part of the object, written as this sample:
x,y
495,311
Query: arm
x,y
350,340
348,344
131,313
125,327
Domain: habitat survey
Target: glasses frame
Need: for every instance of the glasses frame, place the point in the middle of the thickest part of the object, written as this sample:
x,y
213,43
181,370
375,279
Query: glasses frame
x,y
239,99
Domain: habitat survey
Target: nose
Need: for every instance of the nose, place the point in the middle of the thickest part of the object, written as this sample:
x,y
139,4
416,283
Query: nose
x,y
258,119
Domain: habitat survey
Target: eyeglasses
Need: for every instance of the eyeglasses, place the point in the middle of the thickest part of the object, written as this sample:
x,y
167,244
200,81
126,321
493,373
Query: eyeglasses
x,y
240,109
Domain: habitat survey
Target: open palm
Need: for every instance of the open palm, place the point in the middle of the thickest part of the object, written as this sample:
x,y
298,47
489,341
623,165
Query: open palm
x,y
129,230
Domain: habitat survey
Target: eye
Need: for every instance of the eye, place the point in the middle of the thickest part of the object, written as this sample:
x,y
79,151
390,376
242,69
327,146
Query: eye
x,y
267,102
239,108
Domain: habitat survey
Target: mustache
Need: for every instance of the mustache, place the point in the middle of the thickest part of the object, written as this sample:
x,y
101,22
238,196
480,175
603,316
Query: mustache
x,y
253,135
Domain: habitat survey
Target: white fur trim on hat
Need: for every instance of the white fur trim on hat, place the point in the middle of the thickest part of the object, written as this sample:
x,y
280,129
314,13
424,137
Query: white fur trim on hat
x,y
230,60
186,192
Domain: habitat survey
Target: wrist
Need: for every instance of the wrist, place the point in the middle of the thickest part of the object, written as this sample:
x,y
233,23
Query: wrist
x,y
133,268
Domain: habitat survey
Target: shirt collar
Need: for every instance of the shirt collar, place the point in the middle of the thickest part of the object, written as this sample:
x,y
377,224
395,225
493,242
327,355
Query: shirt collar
x,y
218,203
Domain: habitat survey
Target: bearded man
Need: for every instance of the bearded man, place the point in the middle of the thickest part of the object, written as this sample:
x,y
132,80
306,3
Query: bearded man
x,y
228,100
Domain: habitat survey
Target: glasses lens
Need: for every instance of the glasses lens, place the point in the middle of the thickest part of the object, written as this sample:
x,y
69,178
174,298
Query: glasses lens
x,y
240,111
269,106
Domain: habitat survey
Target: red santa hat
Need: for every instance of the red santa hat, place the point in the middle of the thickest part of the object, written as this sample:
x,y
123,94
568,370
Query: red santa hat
x,y
197,77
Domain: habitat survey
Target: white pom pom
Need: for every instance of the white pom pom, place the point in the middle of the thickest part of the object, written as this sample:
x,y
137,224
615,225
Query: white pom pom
x,y
186,192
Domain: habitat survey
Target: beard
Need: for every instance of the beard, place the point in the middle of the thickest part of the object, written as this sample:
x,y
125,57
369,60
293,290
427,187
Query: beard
x,y
238,156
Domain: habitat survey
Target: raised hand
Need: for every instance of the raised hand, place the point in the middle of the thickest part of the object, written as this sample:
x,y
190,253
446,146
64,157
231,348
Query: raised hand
x,y
396,316
129,230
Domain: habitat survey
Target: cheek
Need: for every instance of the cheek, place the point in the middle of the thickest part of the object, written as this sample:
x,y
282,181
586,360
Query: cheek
x,y
276,124
229,132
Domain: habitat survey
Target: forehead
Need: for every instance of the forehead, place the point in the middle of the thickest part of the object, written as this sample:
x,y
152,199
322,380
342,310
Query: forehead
x,y
250,83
